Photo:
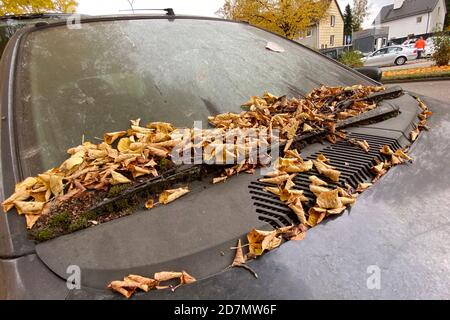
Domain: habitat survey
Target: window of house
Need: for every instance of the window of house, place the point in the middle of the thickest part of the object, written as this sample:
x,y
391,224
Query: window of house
x,y
332,40
308,32
439,10
419,19
333,21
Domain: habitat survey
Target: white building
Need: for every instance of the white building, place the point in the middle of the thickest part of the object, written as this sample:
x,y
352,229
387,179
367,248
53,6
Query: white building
x,y
412,17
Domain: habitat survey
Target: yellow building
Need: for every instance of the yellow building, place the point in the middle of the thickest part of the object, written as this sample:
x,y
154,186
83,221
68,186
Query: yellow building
x,y
328,32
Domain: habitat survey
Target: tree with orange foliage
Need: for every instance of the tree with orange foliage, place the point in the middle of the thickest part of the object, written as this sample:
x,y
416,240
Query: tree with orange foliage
x,y
289,18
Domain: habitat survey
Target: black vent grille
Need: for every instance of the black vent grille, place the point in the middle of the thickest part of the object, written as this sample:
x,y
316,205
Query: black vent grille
x,y
353,163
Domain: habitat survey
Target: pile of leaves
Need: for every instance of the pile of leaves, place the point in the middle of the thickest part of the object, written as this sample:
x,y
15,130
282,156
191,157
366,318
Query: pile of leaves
x,y
329,201
126,156
423,116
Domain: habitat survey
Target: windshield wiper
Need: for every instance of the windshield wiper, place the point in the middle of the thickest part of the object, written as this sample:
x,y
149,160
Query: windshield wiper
x,y
148,187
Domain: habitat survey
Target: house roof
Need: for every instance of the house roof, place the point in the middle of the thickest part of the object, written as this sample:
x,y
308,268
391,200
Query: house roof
x,y
375,32
408,9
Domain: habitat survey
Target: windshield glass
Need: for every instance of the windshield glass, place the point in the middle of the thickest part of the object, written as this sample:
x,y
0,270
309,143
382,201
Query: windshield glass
x,y
76,84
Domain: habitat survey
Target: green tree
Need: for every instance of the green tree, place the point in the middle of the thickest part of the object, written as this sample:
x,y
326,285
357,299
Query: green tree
x,y
36,6
447,17
360,12
351,59
348,21
441,54
289,18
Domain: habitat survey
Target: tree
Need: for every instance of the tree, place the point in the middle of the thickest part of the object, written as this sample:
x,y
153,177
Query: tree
x,y
348,21
289,18
351,59
441,42
36,6
360,12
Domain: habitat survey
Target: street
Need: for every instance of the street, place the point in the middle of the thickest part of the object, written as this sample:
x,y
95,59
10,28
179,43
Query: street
x,y
439,90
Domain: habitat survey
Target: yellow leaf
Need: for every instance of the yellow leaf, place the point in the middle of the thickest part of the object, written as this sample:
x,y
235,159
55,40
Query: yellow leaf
x,y
56,184
259,241
329,200
172,194
316,181
167,275
149,203
239,258
109,138
29,207
363,186
124,145
118,178
327,170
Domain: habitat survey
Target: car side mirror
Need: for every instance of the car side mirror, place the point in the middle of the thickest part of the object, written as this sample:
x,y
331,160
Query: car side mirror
x,y
373,73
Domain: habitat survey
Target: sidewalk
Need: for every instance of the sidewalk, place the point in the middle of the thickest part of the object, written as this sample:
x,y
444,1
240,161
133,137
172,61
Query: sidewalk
x,y
422,63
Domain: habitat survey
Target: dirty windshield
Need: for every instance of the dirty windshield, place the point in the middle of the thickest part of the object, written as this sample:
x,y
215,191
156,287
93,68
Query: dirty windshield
x,y
76,84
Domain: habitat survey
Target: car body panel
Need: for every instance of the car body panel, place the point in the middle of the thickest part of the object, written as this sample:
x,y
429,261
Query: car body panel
x,y
400,225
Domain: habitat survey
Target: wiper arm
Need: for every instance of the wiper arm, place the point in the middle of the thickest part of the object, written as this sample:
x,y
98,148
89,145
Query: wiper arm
x,y
155,185
376,97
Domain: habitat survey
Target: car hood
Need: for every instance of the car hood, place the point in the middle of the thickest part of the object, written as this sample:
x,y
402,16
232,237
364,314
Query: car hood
x,y
398,230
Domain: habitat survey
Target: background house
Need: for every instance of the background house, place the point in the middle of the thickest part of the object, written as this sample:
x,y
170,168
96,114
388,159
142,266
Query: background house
x,y
328,32
412,17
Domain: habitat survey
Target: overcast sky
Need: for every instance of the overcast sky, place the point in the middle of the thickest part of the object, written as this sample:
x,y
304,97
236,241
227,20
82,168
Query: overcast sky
x,y
191,7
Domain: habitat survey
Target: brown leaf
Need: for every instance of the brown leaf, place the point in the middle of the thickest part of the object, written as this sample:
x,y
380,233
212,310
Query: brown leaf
x,y
275,180
402,155
109,138
386,150
19,195
117,178
316,181
239,257
186,278
329,200
414,134
126,288
149,204
363,186
259,241
327,170
298,210
145,284
219,179
172,194
167,275
31,220
315,216
363,144
317,190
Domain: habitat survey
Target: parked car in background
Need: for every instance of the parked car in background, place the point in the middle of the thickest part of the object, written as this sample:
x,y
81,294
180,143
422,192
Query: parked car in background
x,y
386,56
